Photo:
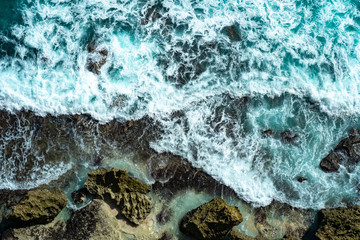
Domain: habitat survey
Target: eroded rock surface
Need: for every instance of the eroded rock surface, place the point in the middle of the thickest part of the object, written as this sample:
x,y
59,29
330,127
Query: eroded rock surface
x,y
38,207
339,223
212,220
128,193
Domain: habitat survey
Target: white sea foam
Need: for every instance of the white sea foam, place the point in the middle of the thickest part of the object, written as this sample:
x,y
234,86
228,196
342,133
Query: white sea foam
x,y
297,53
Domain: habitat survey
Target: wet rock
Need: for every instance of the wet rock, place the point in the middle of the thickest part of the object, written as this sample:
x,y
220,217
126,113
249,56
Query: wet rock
x,y
80,195
301,179
127,193
53,231
347,153
339,223
330,163
173,174
134,206
97,58
267,133
265,229
294,221
38,207
99,221
167,236
113,181
164,216
235,234
289,137
232,33
151,14
212,220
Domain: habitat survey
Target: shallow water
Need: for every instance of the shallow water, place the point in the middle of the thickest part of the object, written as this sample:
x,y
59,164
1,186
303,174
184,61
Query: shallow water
x,y
213,74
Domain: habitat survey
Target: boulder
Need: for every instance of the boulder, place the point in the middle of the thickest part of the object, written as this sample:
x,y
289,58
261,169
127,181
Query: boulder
x,y
39,206
347,153
118,187
212,220
339,223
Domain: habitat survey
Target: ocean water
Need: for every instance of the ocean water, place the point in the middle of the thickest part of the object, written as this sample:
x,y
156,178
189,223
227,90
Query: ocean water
x,y
213,74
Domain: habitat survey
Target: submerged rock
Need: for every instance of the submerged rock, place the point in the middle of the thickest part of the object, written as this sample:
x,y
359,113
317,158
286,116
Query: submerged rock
x,y
212,220
173,174
347,153
40,206
80,195
126,192
339,223
289,137
237,235
232,33
97,58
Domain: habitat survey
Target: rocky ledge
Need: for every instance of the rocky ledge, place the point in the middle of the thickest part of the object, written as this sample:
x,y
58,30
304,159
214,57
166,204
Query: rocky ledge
x,y
339,223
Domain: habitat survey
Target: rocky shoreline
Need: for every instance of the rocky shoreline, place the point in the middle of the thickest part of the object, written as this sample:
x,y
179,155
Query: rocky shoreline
x,y
113,204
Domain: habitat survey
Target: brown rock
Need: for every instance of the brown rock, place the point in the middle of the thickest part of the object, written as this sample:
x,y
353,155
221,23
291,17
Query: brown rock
x,y
39,206
212,220
118,187
339,224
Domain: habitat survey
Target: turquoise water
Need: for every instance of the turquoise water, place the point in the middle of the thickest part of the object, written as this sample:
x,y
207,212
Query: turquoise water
x,y
213,74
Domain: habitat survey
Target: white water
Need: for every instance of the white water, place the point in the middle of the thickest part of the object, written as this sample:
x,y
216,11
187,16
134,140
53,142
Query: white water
x,y
297,62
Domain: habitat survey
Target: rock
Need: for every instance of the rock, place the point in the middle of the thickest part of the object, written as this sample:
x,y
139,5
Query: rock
x,y
347,153
40,206
301,179
264,228
339,223
95,221
80,195
167,236
102,181
135,206
126,192
164,216
212,220
99,221
97,59
151,14
289,137
53,230
267,133
232,33
235,234
173,174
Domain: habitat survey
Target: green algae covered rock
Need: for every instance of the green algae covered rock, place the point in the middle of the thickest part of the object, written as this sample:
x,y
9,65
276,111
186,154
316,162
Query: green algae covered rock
x,y
39,206
212,220
339,223
126,192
